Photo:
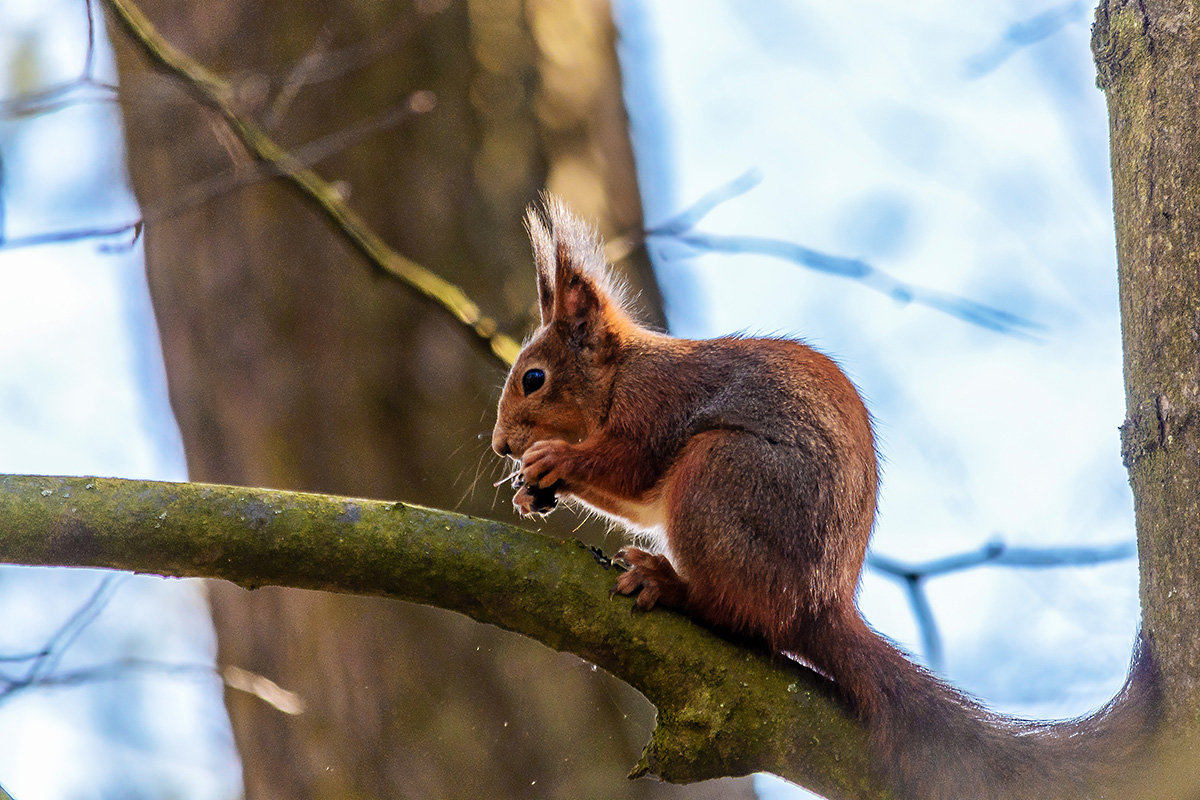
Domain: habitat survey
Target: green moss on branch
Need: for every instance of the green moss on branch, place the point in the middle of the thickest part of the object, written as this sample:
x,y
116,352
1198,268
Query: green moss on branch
x,y
723,709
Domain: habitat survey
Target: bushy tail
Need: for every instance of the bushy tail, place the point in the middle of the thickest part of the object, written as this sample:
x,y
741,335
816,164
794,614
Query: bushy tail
x,y
939,744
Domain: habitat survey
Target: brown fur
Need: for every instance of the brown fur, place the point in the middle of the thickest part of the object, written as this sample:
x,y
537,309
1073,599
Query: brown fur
x,y
752,464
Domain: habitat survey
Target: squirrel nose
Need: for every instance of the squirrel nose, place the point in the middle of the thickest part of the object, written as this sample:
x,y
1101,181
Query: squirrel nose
x,y
500,443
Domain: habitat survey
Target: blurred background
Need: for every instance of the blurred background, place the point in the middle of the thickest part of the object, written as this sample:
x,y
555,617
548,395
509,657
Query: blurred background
x,y
922,192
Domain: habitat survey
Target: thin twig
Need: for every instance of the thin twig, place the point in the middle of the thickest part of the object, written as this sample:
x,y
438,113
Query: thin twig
x,y
67,93
296,79
264,689
46,662
89,57
1022,34
114,670
202,191
307,155
686,220
131,229
913,576
215,93
680,228
57,97
328,65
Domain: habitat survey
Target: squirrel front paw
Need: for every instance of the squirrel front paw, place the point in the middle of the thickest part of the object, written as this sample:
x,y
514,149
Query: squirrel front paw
x,y
543,463
652,578
538,480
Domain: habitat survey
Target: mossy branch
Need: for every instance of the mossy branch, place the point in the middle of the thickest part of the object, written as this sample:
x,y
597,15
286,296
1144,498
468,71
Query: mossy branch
x,y
215,93
723,709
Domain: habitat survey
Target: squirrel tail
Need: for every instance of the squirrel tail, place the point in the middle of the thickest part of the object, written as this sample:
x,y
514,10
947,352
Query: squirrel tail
x,y
938,743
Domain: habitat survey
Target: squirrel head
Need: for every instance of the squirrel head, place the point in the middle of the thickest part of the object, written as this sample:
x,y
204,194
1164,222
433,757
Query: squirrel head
x,y
560,384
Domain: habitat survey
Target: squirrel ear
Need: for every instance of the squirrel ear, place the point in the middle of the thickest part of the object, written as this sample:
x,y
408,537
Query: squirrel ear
x,y
545,259
578,301
574,286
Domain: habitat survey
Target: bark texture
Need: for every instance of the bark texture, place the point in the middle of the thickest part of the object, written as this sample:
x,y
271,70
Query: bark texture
x,y
1148,60
1148,55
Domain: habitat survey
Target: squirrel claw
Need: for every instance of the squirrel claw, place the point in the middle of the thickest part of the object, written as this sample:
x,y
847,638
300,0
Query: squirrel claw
x,y
652,578
542,463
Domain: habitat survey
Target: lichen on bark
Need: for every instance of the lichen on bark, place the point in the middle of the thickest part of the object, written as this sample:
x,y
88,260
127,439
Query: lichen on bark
x,y
721,704
1148,61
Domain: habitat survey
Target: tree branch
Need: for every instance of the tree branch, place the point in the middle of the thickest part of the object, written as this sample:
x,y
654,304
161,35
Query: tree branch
x,y
213,92
680,229
723,709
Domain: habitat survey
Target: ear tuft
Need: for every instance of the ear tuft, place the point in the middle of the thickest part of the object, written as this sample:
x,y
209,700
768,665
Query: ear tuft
x,y
570,259
544,259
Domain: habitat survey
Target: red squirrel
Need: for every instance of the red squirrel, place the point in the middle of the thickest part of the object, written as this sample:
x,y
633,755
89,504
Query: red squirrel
x,y
748,465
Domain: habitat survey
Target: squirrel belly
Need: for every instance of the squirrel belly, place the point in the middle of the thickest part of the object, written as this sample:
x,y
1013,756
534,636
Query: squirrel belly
x,y
754,461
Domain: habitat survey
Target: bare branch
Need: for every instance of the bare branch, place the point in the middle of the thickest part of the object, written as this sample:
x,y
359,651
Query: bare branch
x,y
305,156
57,97
121,669
202,191
686,220
857,269
48,659
1022,34
321,64
913,576
84,89
296,78
133,230
89,56
264,689
216,94
681,229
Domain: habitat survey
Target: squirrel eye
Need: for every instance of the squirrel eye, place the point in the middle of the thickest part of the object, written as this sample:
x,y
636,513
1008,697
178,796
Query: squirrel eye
x,y
532,380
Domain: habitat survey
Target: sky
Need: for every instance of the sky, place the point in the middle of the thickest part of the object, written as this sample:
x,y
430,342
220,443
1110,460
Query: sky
x,y
949,150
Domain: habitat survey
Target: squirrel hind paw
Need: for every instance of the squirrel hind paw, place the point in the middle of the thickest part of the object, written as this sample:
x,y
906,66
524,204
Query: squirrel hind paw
x,y
652,578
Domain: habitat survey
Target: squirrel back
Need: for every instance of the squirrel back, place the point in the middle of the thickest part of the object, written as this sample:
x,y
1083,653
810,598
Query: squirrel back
x,y
749,466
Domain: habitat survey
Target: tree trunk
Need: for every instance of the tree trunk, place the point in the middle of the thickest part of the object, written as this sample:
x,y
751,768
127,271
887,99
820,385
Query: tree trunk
x,y
292,365
1148,59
